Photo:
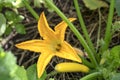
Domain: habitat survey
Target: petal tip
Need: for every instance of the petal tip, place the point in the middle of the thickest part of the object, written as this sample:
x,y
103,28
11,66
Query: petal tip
x,y
17,45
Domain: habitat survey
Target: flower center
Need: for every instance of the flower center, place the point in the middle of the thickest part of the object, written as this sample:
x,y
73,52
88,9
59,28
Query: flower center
x,y
58,47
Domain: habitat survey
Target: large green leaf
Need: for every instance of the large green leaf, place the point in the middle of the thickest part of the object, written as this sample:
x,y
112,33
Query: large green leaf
x,y
116,76
21,73
8,65
9,70
94,4
117,6
115,50
32,73
2,24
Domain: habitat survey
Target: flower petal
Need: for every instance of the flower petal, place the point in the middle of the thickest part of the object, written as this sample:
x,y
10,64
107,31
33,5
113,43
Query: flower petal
x,y
32,45
45,31
68,52
61,27
43,60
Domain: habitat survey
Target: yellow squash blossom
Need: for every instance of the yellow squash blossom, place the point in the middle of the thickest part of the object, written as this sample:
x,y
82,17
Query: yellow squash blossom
x,y
53,44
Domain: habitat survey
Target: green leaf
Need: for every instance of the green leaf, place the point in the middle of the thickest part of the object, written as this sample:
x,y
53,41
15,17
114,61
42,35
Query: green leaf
x,y
6,3
11,3
116,76
117,6
115,50
32,73
20,28
10,15
8,30
8,65
94,4
18,3
20,18
116,26
2,24
9,70
114,58
21,73
13,18
44,75
39,3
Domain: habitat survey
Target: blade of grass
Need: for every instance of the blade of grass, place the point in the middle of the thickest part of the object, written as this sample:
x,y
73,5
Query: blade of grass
x,y
75,31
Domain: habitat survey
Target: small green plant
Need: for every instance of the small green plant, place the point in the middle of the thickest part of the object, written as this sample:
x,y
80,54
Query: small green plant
x,y
11,19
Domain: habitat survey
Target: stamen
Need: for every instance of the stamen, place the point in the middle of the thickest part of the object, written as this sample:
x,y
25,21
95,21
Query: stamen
x,y
58,47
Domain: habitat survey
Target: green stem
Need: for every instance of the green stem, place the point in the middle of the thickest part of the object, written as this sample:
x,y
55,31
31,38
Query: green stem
x,y
31,9
76,32
83,26
108,34
91,76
